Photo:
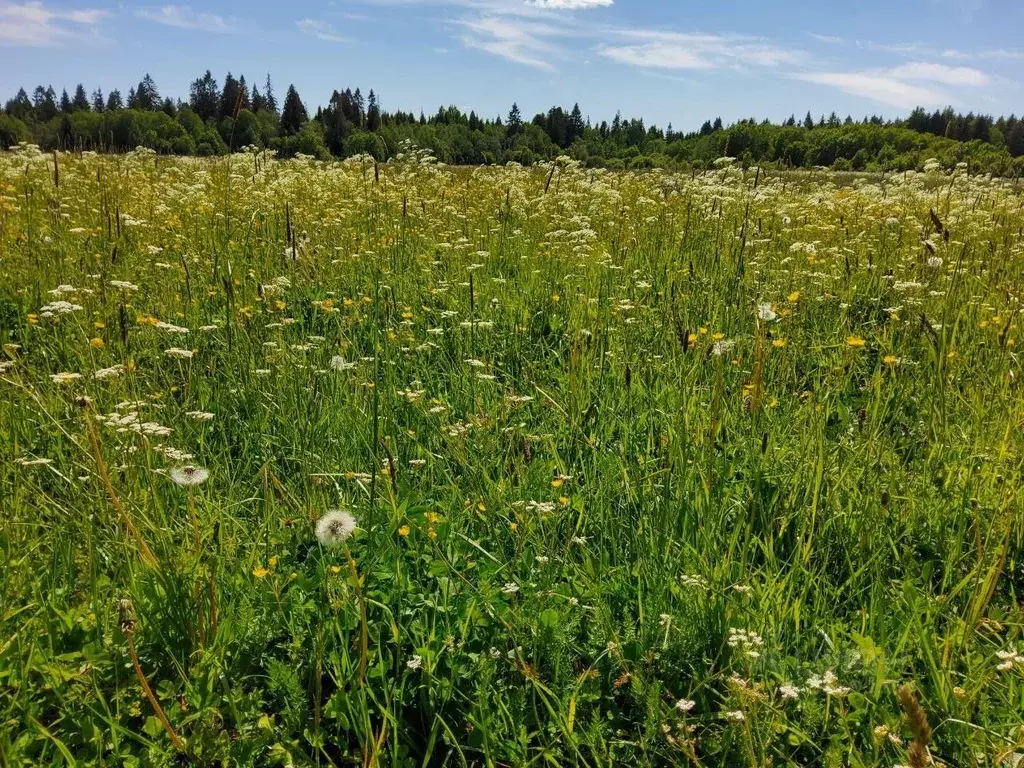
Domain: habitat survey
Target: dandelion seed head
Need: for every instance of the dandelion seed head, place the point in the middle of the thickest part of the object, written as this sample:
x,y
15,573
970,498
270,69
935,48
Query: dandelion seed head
x,y
189,475
335,527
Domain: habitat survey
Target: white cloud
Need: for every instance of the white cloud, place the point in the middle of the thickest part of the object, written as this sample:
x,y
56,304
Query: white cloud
x,y
570,5
33,24
655,55
917,83
880,87
321,30
515,39
183,17
1002,53
678,50
829,39
940,73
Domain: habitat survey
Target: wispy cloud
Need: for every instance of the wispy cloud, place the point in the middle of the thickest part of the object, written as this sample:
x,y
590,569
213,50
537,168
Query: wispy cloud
x,y
570,5
880,87
183,17
321,30
679,50
917,83
513,38
33,24
940,73
1002,53
828,39
918,50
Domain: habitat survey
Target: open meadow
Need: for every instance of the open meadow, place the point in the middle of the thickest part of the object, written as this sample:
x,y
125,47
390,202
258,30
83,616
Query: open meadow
x,y
346,463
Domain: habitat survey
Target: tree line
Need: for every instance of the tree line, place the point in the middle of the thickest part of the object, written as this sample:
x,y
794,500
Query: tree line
x,y
219,118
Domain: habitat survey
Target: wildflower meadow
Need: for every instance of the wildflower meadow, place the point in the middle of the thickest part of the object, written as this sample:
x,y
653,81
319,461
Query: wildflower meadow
x,y
334,463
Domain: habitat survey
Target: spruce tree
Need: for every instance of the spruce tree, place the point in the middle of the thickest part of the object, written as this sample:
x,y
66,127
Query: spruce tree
x,y
293,114
80,102
268,96
514,124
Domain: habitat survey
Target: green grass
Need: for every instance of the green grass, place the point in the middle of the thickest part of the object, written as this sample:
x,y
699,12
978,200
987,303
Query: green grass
x,y
571,508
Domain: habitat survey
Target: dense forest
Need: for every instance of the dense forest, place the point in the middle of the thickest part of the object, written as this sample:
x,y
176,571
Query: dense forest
x,y
220,118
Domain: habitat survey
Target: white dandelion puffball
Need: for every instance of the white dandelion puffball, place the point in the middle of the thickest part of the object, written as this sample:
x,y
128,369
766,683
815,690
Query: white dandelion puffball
x,y
335,527
189,475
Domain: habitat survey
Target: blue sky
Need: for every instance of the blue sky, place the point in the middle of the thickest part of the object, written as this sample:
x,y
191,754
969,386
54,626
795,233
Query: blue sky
x,y
678,61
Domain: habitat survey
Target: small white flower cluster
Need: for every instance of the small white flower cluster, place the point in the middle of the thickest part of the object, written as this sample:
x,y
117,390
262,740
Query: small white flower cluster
x,y
181,354
60,290
685,705
694,580
789,691
170,328
102,374
132,422
828,684
1009,659
173,453
750,643
339,363
59,308
542,507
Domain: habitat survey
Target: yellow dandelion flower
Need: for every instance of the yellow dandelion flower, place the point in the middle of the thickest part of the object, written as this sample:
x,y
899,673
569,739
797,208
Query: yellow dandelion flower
x,y
890,359
96,343
855,341
778,343
260,572
794,297
404,530
557,482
